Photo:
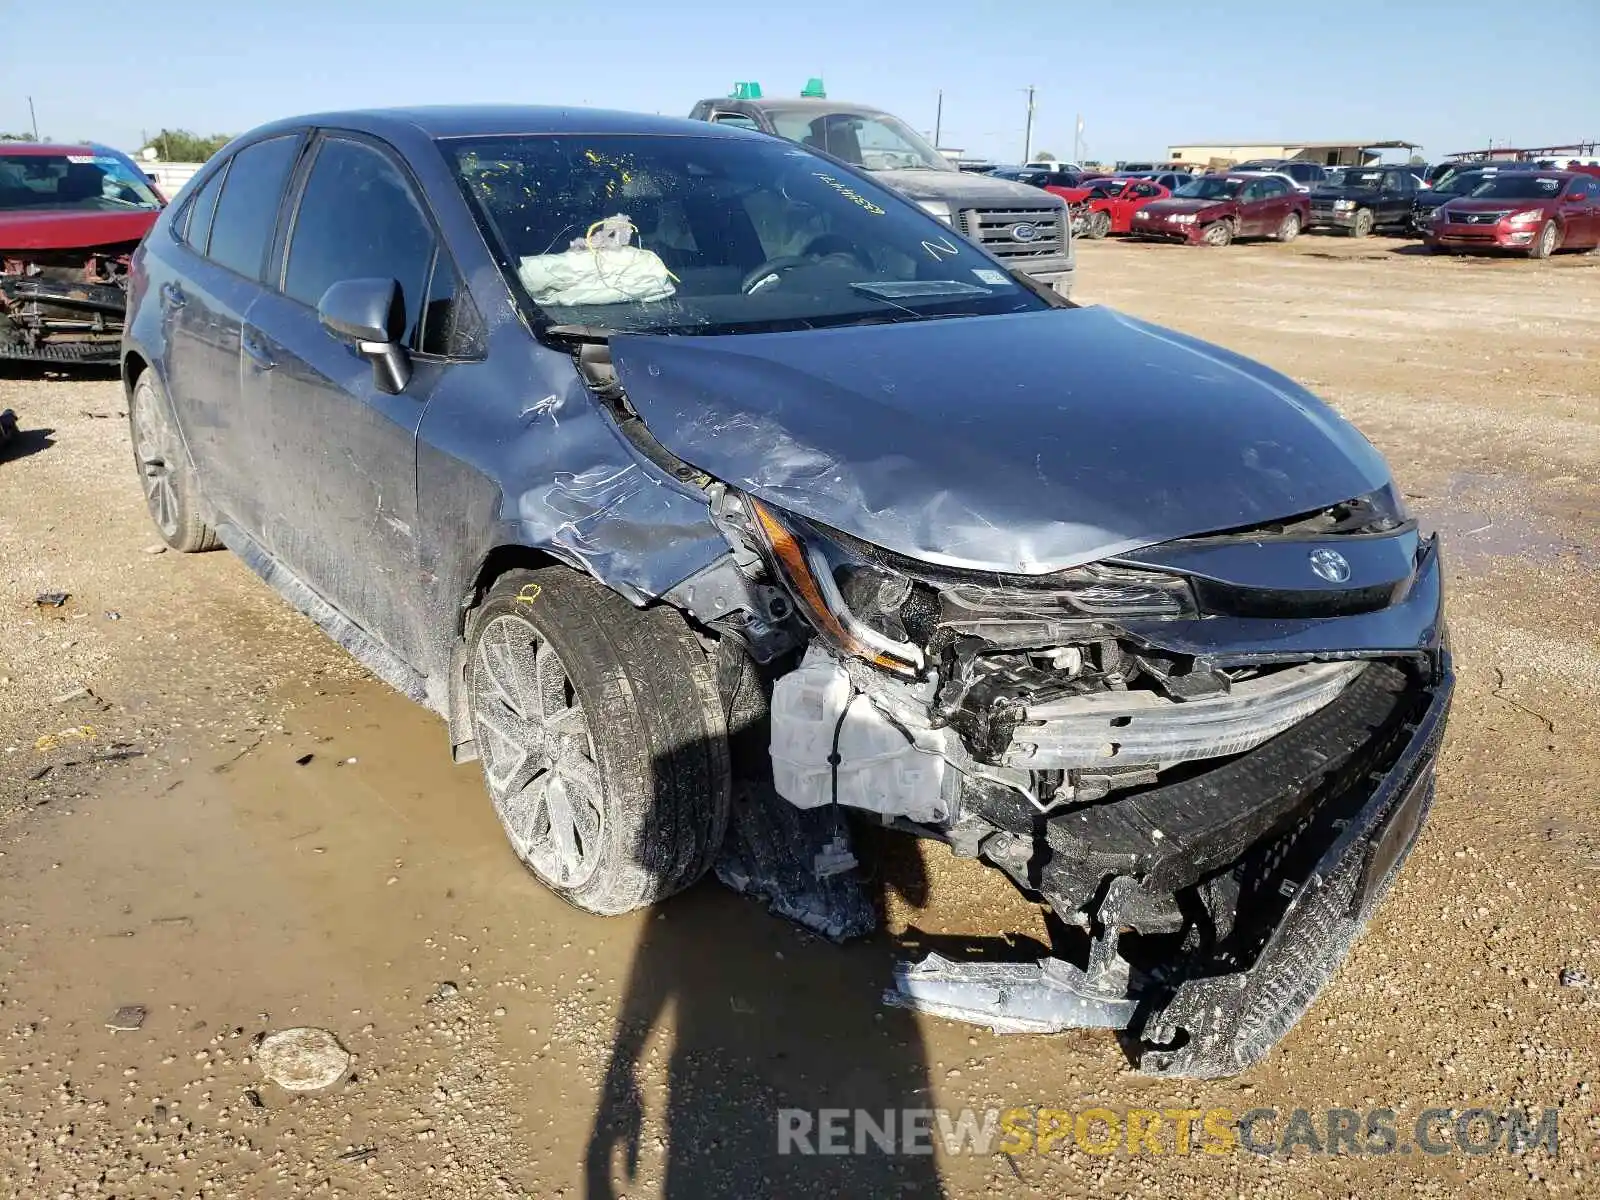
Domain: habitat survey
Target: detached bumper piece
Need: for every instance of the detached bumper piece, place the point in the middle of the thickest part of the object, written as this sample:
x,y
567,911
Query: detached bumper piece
x,y
1216,908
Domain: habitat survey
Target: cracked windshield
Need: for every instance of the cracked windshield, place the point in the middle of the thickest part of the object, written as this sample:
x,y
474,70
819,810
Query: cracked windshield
x,y
703,235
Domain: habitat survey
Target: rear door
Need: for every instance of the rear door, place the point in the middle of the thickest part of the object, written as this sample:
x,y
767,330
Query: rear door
x,y
227,232
1254,208
343,512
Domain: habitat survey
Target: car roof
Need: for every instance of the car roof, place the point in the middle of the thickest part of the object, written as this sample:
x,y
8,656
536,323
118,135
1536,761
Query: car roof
x,y
801,104
488,120
46,149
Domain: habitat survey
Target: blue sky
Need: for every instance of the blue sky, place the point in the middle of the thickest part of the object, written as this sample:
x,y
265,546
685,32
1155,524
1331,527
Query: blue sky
x,y
1143,73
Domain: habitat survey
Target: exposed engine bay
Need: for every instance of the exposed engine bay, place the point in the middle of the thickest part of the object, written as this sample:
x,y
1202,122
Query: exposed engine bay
x,y
1207,757
63,305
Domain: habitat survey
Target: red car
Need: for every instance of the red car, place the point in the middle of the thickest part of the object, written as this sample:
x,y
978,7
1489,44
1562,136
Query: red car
x,y
1536,212
1213,210
70,217
1112,203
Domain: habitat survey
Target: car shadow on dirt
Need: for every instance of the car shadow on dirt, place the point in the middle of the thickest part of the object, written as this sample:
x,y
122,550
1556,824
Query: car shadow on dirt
x,y
24,442
768,1025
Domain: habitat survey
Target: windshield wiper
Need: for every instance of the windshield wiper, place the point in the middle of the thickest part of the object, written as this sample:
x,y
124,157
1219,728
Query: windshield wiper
x,y
577,334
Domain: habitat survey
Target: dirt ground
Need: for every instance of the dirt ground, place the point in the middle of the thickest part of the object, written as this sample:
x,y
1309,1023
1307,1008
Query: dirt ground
x,y
206,810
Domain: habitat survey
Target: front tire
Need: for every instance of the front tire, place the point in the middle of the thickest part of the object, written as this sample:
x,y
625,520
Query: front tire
x,y
1545,244
171,491
1362,225
1219,233
602,738
1099,225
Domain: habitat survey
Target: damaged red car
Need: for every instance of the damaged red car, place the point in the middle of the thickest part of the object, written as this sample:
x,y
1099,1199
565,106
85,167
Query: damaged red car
x,y
1217,209
70,219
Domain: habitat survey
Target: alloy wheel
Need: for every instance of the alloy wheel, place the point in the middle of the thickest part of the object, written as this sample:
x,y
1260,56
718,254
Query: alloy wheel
x,y
537,753
156,447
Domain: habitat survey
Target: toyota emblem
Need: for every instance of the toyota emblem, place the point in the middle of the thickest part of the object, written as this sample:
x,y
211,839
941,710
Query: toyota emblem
x,y
1024,232
1330,565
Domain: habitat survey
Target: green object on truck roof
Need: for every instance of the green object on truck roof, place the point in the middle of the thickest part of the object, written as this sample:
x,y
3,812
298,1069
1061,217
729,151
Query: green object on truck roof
x,y
747,91
814,89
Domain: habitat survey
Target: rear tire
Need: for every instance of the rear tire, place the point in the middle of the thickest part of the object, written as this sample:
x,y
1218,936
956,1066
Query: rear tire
x,y
602,738
1362,225
1218,233
1545,244
1289,228
171,491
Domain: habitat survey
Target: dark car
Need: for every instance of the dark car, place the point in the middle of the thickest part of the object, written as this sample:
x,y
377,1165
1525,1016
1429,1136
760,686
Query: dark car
x,y
1357,200
1214,210
1536,212
1457,183
1306,175
1009,219
686,473
70,217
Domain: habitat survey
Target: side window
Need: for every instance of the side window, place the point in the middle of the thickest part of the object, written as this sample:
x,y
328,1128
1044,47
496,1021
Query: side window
x,y
247,213
1144,189
358,220
197,217
450,327
737,120
1254,191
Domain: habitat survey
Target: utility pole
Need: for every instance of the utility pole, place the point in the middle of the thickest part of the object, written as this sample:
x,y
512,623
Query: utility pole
x,y
1027,137
34,118
938,120
1077,138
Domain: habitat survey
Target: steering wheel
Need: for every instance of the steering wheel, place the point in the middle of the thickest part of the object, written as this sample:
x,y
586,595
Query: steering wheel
x,y
773,267
819,249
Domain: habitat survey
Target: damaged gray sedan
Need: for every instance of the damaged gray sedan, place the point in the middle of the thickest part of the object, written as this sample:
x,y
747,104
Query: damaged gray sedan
x,y
711,491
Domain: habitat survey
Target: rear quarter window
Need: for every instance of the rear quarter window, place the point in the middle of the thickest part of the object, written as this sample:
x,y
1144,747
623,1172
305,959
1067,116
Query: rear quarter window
x,y
247,212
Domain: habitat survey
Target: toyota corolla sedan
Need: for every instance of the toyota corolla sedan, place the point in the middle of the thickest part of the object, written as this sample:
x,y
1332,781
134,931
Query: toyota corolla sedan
x,y
711,492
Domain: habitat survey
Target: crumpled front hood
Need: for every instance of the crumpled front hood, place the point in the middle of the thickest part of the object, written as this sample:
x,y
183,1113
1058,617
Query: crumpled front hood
x,y
1022,443
63,229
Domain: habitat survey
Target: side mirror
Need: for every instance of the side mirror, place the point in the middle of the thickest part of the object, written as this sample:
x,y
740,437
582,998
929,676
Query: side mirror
x,y
369,314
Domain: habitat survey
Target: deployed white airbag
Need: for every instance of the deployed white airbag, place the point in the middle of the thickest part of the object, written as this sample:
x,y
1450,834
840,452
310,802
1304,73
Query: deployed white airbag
x,y
599,268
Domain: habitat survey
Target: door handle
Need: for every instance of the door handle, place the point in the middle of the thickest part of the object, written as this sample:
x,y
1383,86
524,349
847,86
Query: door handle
x,y
172,296
257,353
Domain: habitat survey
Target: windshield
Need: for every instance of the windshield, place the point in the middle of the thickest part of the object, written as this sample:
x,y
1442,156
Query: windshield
x,y
632,233
1108,187
875,141
1210,187
82,182
1459,183
1364,180
1519,187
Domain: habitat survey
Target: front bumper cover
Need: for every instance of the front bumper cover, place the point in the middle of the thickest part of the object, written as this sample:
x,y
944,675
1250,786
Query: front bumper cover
x,y
1229,1022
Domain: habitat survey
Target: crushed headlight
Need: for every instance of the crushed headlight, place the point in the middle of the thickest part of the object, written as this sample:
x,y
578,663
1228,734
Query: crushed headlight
x,y
1344,205
851,602
1182,218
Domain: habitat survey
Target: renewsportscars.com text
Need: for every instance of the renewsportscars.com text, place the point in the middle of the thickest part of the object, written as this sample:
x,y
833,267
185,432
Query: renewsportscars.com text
x,y
1214,1131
